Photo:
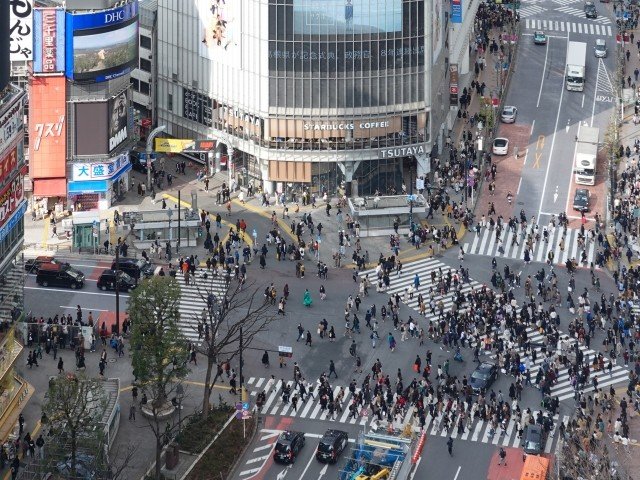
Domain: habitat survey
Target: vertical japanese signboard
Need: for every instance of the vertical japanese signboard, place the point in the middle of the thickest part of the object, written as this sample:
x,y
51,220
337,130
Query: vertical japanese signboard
x,y
453,84
21,29
48,40
456,11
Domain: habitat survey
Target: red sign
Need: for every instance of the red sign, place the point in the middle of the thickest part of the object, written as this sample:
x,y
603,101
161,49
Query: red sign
x,y
10,198
49,41
8,164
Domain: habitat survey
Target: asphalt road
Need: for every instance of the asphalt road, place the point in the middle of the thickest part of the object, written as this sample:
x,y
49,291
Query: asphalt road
x,y
553,113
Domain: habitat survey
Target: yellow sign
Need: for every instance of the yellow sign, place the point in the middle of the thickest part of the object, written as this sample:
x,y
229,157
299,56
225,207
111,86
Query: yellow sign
x,y
172,145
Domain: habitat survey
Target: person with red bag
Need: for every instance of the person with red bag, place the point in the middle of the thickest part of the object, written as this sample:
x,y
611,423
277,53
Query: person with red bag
x,y
417,364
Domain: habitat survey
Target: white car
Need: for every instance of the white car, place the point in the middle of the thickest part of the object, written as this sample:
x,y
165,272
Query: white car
x,y
500,146
509,114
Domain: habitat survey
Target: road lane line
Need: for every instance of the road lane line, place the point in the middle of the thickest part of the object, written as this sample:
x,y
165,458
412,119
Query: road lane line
x,y
553,141
263,447
75,291
519,185
544,69
457,473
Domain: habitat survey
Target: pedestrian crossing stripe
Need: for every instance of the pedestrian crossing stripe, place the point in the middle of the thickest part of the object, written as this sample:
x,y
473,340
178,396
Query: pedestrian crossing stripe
x,y
563,388
576,12
565,2
568,27
193,298
478,430
399,283
530,10
485,243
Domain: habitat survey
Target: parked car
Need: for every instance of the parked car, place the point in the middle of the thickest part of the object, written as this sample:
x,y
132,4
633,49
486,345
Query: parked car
x,y
581,200
539,37
483,377
534,440
600,48
139,161
33,264
288,446
137,268
509,114
331,445
500,146
107,281
59,275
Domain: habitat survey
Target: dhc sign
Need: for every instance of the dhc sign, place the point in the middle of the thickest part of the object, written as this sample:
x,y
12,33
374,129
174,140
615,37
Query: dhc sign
x,y
116,16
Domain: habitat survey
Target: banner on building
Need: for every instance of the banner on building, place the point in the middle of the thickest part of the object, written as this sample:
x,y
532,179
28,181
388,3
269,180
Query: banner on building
x,y
8,164
48,40
11,124
453,83
172,145
100,170
10,198
118,120
47,127
456,11
21,29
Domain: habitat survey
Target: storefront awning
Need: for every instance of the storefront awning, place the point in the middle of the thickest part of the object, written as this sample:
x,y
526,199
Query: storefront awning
x,y
88,186
122,171
50,187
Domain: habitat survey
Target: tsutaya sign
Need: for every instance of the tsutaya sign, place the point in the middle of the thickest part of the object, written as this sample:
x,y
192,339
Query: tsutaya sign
x,y
346,126
406,151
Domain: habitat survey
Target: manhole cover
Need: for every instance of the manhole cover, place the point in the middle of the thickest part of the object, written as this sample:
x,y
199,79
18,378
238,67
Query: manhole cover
x,y
112,360
520,203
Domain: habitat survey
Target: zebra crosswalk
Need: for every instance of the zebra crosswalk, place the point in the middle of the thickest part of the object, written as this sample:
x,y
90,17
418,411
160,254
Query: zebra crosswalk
x,y
401,283
485,243
568,27
477,430
193,298
531,10
563,388
565,2
576,12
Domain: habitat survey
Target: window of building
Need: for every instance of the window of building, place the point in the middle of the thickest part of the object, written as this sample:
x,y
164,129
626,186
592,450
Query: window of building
x,y
145,65
145,42
144,88
170,102
136,84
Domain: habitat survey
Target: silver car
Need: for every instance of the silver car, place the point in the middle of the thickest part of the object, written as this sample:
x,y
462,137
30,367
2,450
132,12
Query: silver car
x,y
509,114
600,48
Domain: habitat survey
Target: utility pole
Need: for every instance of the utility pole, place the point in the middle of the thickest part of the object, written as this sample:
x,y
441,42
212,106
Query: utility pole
x,y
178,236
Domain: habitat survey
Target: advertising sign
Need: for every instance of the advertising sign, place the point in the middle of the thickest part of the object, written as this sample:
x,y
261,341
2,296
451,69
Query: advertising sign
x,y
342,17
48,40
453,84
92,128
405,151
456,11
101,170
11,123
118,120
47,127
221,28
20,29
8,164
101,45
172,145
197,107
10,199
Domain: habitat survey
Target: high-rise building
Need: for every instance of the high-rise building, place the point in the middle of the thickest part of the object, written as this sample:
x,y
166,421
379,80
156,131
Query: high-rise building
x,y
81,122
13,389
335,96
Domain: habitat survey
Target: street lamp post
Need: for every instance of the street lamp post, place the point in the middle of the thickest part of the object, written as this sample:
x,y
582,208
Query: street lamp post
x,y
149,151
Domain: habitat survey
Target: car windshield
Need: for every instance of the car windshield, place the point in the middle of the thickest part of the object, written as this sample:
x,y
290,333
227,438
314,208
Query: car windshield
x,y
531,444
500,142
282,447
142,263
480,374
125,277
325,447
74,273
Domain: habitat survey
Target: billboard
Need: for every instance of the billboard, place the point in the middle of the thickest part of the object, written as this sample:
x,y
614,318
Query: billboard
x,y
456,11
10,198
20,29
11,124
172,145
100,171
339,17
92,128
221,27
101,45
118,120
47,127
48,40
8,164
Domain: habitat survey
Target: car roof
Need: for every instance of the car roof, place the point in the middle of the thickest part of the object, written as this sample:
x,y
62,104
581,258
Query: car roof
x,y
44,258
50,267
289,435
508,107
108,271
538,32
600,41
583,191
331,434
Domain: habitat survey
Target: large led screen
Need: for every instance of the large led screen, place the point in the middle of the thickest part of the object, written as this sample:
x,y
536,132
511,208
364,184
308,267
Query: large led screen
x,y
346,16
102,45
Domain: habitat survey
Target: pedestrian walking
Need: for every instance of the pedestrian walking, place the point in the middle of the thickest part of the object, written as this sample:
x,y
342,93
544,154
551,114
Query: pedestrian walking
x,y
503,457
332,369
308,340
132,412
60,365
450,446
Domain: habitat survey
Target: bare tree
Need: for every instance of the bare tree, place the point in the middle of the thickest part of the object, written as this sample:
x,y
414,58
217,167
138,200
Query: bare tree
x,y
238,315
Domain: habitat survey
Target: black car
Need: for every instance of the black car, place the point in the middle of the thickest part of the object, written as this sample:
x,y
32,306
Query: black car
x,y
136,268
33,264
534,440
139,161
483,376
331,445
590,10
288,446
581,200
107,281
58,275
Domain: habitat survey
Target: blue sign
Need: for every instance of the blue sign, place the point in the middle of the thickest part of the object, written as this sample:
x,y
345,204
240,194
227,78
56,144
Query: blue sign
x,y
456,11
101,45
13,221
